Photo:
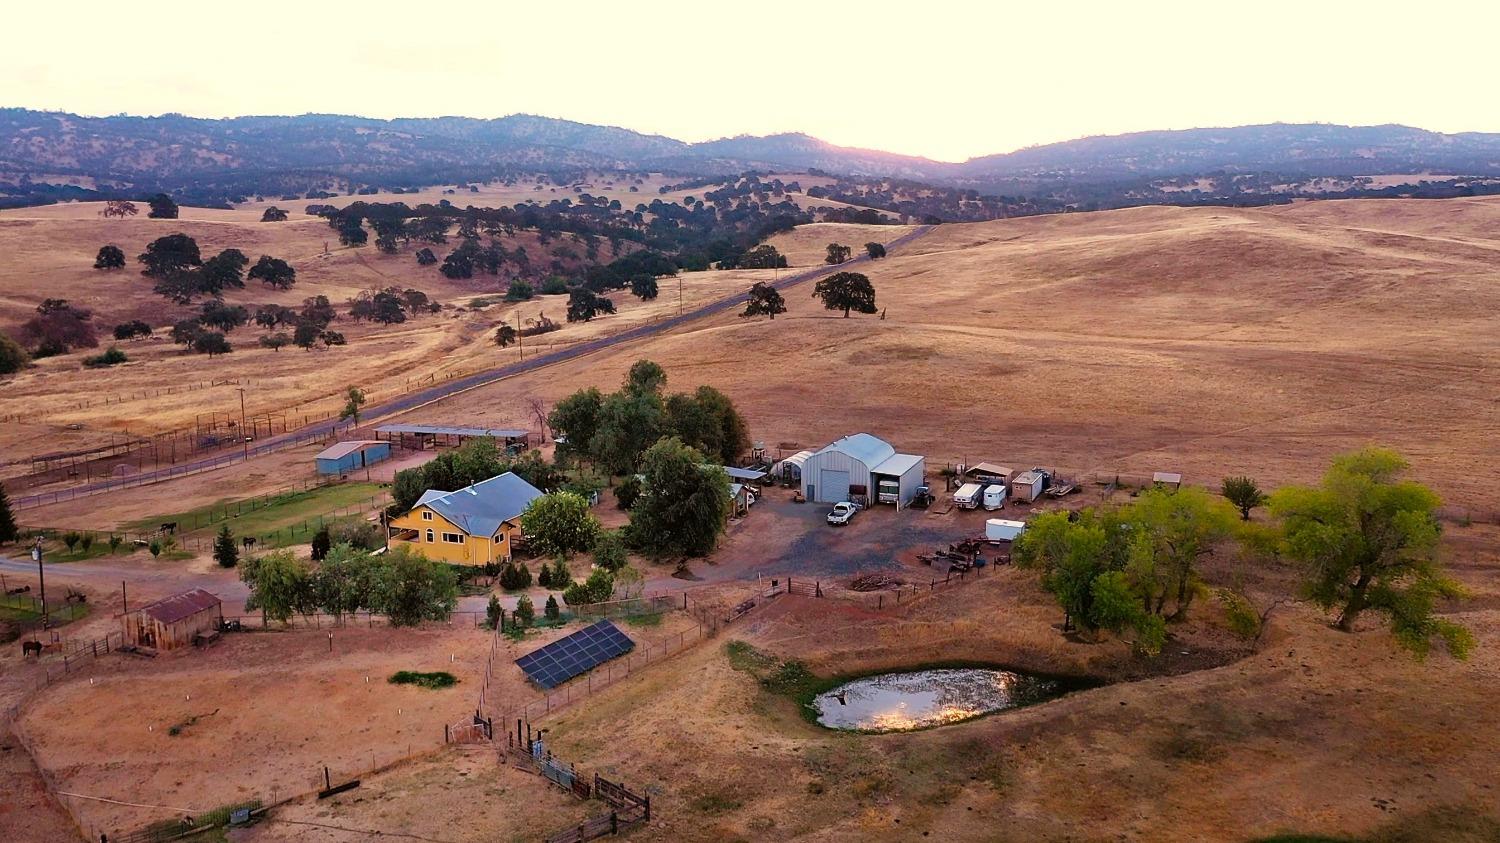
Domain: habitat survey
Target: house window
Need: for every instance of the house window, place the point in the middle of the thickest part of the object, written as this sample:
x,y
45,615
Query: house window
x,y
426,515
430,538
453,538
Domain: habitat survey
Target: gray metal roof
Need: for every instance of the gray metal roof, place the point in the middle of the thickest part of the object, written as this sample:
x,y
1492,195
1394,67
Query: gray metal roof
x,y
448,430
898,464
343,449
480,509
870,450
744,473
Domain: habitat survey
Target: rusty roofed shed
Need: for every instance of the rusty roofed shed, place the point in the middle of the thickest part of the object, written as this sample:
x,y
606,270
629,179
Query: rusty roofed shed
x,y
173,622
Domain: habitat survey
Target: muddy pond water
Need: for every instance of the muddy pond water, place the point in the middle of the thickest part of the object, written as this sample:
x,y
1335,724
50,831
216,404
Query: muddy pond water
x,y
900,702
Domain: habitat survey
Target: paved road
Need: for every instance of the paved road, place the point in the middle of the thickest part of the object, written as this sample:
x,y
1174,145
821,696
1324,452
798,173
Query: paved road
x,y
416,399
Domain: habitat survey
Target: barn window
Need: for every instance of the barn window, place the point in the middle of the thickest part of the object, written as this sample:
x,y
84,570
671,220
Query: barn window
x,y
430,538
453,538
426,515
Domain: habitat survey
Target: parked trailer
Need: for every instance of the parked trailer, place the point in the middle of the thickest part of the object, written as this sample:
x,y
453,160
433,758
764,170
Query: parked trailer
x,y
968,496
994,496
1028,486
1000,530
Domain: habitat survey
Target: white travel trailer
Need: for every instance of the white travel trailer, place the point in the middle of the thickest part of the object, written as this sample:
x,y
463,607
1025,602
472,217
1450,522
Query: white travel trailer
x,y
994,496
1000,530
969,496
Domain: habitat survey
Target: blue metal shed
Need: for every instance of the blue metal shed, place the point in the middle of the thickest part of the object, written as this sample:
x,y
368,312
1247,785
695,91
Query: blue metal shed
x,y
352,456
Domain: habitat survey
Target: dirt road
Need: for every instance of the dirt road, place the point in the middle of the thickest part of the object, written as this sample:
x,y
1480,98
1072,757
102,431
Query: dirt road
x,y
425,396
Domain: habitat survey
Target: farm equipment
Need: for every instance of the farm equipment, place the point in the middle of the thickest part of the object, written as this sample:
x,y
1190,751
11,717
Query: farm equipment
x,y
922,499
960,556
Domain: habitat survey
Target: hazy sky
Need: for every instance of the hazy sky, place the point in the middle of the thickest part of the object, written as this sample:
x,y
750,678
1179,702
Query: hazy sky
x,y
943,79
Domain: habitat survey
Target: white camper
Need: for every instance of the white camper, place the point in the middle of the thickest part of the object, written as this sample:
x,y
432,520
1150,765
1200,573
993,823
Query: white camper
x,y
968,496
994,496
1000,530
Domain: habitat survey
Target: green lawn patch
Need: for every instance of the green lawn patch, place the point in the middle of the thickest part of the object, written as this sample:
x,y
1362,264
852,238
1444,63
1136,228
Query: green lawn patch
x,y
648,619
431,681
277,520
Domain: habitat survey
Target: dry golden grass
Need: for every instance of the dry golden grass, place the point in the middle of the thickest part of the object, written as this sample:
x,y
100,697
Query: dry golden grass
x,y
1209,341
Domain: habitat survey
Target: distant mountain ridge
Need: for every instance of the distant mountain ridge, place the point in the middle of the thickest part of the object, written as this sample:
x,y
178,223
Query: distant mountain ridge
x,y
237,155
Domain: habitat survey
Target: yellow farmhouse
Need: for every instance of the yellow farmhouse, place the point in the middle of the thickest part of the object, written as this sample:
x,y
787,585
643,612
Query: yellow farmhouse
x,y
475,525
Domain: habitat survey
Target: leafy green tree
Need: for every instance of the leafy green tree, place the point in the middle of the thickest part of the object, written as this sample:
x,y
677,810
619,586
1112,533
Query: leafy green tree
x,y
170,255
306,335
1244,494
1171,531
684,503
110,257
354,398
132,329
226,553
9,532
345,581
211,343
584,305
525,612
425,257
708,421
552,610
506,336
162,207
846,291
644,287
764,300
837,254
318,311
280,585
221,272
610,552
629,422
273,214
13,358
645,377
224,317
275,341
575,420
156,548
273,272
1369,542
409,589
875,250
764,256
559,524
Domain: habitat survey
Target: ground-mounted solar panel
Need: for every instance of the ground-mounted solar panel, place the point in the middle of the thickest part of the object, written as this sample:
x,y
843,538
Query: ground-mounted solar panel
x,y
575,654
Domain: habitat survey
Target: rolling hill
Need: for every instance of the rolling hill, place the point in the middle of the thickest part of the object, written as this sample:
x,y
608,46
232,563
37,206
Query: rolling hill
x,y
53,155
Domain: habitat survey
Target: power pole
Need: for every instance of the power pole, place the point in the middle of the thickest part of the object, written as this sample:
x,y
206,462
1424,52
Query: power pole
x,y
679,294
36,555
519,346
244,437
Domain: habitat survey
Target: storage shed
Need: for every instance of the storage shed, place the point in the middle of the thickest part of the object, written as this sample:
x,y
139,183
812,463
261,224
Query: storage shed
x,y
1169,479
853,468
352,456
175,621
790,469
1028,485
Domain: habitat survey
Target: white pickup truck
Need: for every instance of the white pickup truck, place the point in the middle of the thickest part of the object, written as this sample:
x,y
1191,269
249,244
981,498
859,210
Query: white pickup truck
x,y
842,514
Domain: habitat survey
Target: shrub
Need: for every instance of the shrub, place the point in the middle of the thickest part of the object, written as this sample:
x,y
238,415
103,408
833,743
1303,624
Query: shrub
x,y
514,577
492,612
86,542
519,291
71,540
599,587
155,547
628,492
610,553
110,357
114,544
552,610
321,544
525,613
554,285
430,681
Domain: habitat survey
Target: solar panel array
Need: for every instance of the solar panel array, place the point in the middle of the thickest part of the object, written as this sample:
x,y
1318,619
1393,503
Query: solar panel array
x,y
575,654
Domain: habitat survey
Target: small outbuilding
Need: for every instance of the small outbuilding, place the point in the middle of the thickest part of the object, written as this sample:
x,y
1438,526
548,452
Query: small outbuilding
x,y
1028,485
863,469
1169,479
352,456
988,472
175,621
789,470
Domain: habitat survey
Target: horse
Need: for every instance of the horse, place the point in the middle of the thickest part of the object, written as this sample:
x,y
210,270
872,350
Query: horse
x,y
169,527
247,542
31,649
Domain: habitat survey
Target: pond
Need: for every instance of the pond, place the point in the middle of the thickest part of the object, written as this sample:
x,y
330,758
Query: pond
x,y
901,702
